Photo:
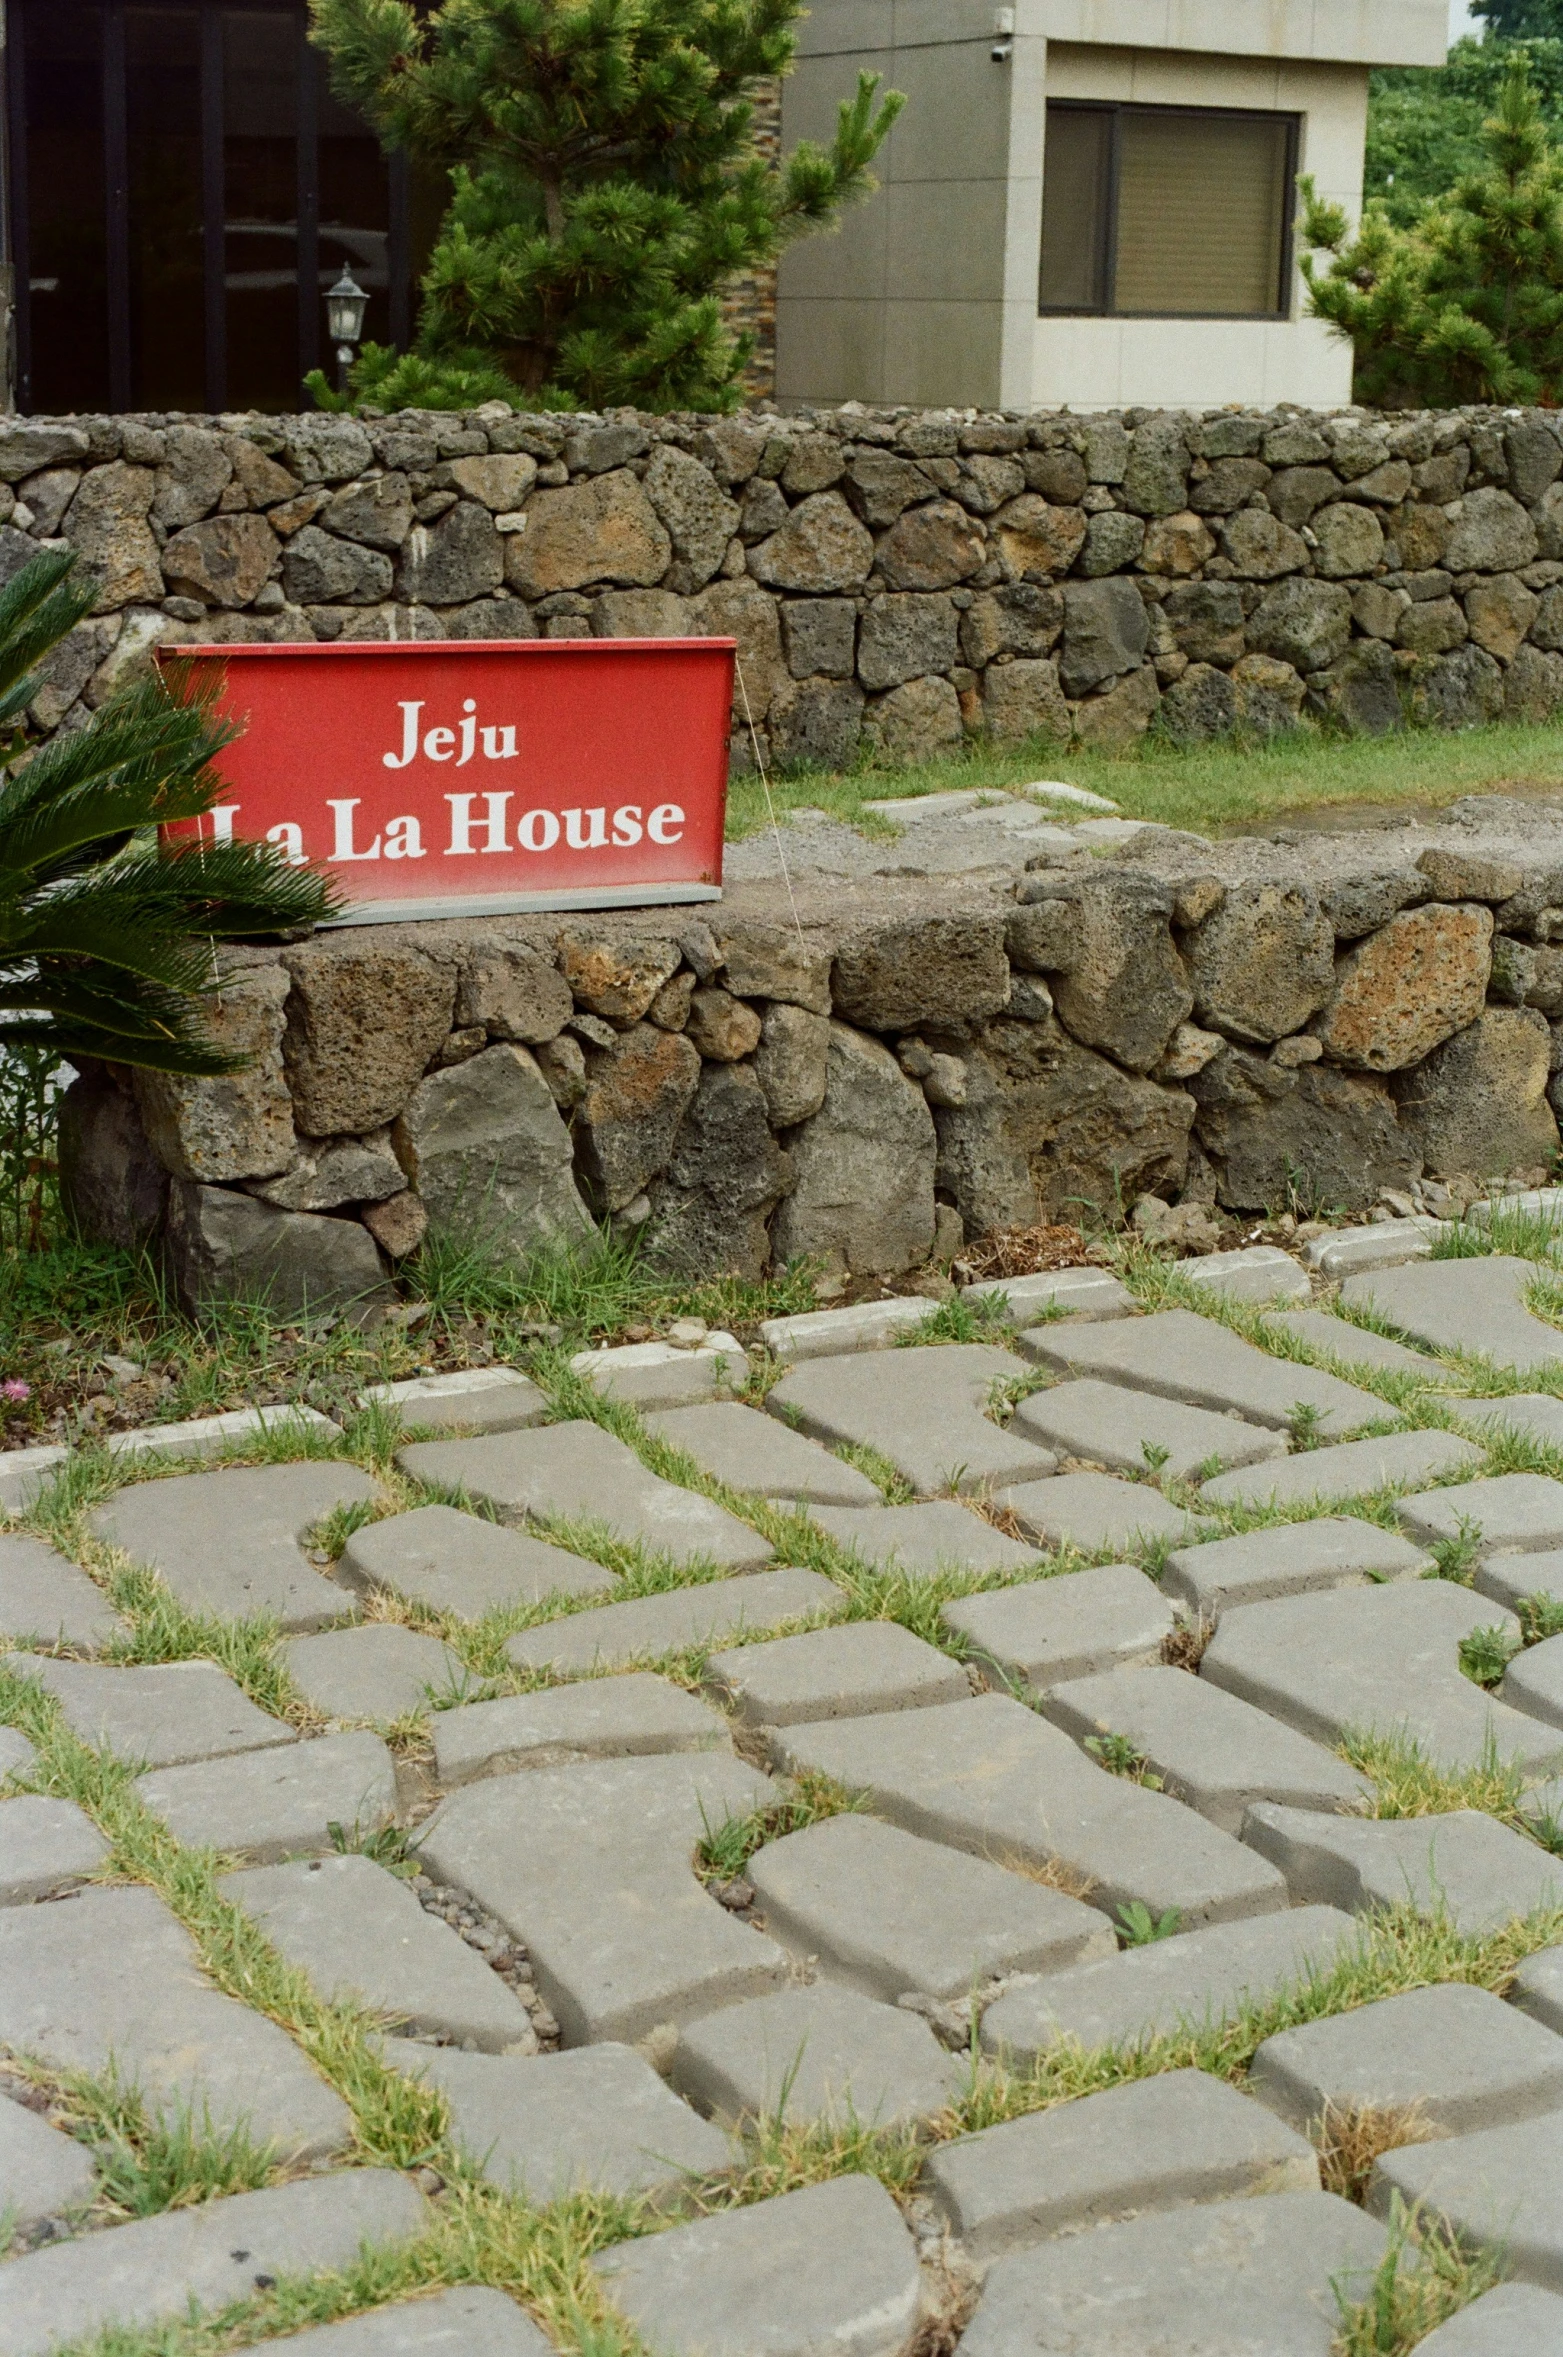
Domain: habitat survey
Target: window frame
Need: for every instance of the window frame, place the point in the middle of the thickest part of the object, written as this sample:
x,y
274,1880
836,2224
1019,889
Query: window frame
x,y
1115,110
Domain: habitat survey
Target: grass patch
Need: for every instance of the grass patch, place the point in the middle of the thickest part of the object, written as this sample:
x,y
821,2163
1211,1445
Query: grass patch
x,y
724,1850
1423,2279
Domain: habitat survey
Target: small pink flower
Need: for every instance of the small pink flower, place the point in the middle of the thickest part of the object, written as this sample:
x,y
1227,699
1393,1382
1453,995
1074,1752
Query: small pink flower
x,y
16,1389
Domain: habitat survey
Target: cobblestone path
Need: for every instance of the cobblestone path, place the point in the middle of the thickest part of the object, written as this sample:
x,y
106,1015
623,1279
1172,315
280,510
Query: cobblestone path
x,y
1027,1826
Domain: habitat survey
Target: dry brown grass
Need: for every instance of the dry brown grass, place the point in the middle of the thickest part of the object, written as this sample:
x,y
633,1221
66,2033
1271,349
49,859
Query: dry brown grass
x,y
1352,2136
1054,1874
1183,1648
1023,1252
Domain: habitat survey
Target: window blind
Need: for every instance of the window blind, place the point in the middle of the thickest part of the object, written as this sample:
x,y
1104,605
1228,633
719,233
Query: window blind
x,y
1201,212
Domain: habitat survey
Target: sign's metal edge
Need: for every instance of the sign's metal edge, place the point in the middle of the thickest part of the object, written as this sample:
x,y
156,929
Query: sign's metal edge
x,y
515,904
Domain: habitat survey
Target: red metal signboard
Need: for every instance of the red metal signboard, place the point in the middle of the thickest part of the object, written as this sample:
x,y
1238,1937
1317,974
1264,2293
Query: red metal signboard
x,y
469,778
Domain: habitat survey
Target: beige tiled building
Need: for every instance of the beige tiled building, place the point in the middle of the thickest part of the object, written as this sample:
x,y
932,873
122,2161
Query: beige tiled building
x,y
1086,201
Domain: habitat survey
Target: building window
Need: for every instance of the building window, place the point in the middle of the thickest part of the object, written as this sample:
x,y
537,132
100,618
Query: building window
x,y
1167,211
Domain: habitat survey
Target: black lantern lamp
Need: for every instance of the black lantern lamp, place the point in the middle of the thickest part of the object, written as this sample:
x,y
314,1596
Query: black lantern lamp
x,y
346,304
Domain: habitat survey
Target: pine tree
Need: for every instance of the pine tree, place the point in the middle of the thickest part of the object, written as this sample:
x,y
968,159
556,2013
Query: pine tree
x,y
605,187
1465,304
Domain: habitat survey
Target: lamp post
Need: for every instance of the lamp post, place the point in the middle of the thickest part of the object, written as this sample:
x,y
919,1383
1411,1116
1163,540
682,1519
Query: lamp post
x,y
346,304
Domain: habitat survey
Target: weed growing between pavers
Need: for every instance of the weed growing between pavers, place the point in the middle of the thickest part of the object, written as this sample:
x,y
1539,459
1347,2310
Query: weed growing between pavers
x,y
724,1849
1408,1784
1353,2137
1423,2279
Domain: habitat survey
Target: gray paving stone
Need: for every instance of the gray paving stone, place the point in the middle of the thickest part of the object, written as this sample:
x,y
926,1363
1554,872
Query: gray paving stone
x,y
1132,1431
921,1408
1534,1681
24,1473
613,1635
888,1913
602,1718
840,1673
936,1535
820,2053
464,1564
158,2268
1477,1306
1536,1414
1458,2055
228,1543
1184,1356
827,1333
1499,2188
578,1471
828,2272
359,1932
989,1776
593,2118
160,1715
1379,1661
473,1399
42,2171
1351,1469
1515,2320
661,1375
1300,1558
1196,1977
1096,1512
1075,1293
45,1846
591,1868
752,1451
1542,1203
1513,1513
1064,1627
214,1436
1155,2144
1233,2279
382,1671
1354,1345
1482,1874
16,1753
458,2323
1538,1987
49,1599
1510,1580
111,1975
270,1805
1257,1273
1383,1244
1209,1749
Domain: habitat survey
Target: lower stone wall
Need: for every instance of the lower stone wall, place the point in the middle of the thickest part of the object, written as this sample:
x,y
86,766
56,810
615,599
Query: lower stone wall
x,y
904,1068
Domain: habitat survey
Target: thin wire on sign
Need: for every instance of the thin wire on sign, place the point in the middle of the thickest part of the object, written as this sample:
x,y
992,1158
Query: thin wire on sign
x,y
759,763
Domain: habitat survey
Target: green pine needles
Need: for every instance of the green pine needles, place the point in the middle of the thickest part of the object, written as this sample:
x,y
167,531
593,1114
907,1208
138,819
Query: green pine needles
x,y
1465,305
605,183
107,935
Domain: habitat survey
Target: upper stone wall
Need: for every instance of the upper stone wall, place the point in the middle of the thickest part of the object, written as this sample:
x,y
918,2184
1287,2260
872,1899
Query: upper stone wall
x,y
900,577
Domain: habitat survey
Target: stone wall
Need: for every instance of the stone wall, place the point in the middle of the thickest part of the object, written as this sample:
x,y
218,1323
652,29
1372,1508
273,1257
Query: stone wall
x,y
911,1065
893,579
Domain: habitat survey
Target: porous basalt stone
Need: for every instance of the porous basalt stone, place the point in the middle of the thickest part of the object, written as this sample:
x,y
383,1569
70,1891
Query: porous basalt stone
x,y
1404,989
1263,962
1478,1103
863,1167
362,1024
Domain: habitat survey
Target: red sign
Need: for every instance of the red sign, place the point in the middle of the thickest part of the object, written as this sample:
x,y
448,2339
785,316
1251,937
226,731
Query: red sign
x,y
469,778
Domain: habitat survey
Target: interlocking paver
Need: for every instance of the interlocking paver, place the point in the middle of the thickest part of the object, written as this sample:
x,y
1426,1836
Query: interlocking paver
x,y
160,1715
1095,1511
1184,1356
1513,1513
841,1673
379,1672
1515,2320
472,1399
934,1536
888,1913
1466,1865
1351,1469
1332,1551
1128,1431
16,1753
1538,1987
603,1718
1381,1661
26,1472
991,1777
821,2053
452,2324
464,1564
159,2268
673,1618
228,1542
1155,2144
1511,1580
661,1375
1458,2056
43,2172
752,1451
1064,1627
1499,2189
1384,1244
45,1845
1257,1273
1196,1977
1209,1749
270,1805
826,1333
1224,2280
1534,1681
1536,1414
594,2117
1354,1345
111,1975
213,1436
921,1408
829,2270
46,1597
1466,1305
359,1932
591,1867
1076,1293
580,1471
